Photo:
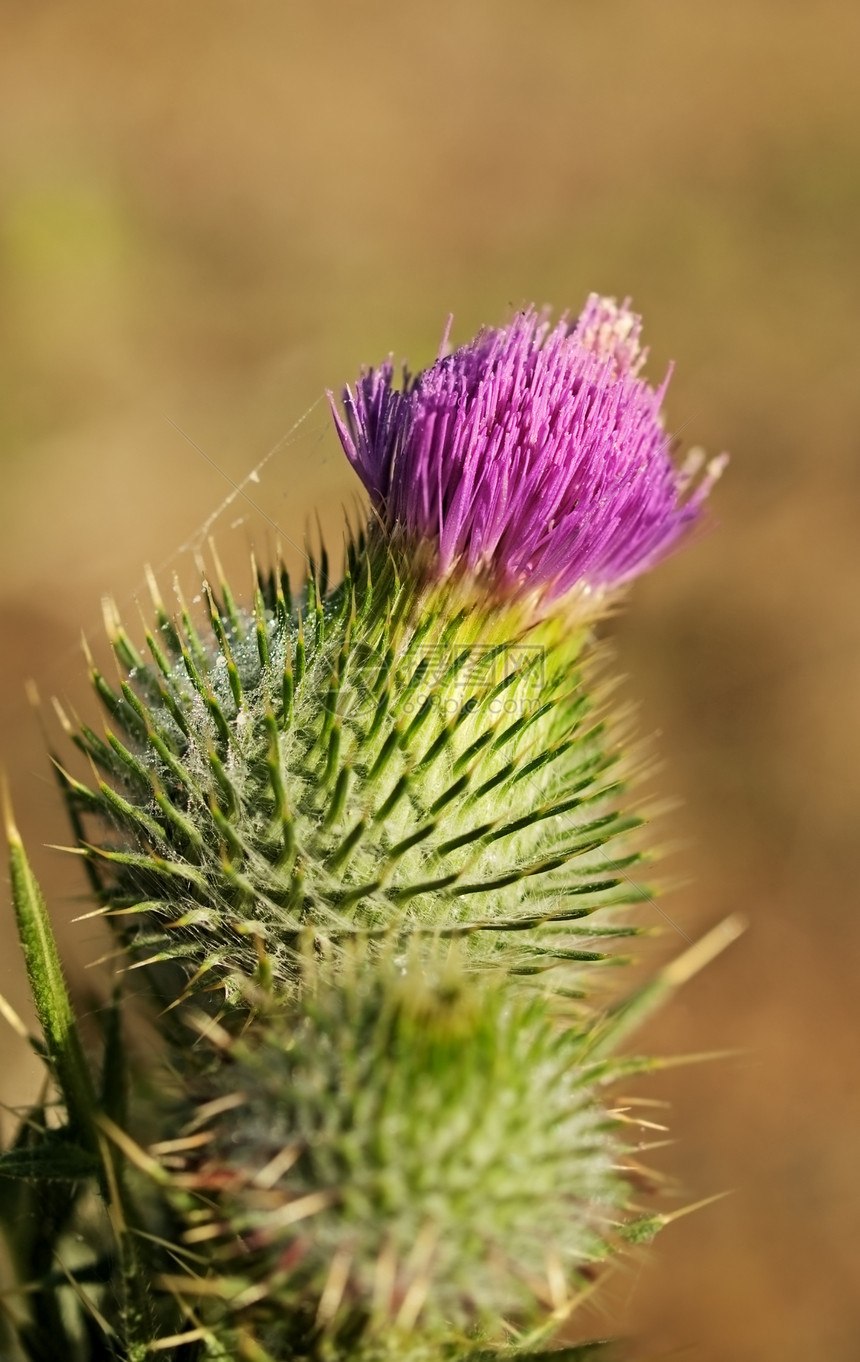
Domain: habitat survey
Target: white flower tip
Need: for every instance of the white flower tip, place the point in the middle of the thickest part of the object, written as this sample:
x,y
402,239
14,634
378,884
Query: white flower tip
x,y
716,468
611,331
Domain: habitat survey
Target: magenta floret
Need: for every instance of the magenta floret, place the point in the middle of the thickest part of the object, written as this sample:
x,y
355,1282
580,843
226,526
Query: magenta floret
x,y
534,456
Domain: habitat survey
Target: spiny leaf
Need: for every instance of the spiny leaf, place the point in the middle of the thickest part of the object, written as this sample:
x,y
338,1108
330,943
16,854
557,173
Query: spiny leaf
x,y
50,996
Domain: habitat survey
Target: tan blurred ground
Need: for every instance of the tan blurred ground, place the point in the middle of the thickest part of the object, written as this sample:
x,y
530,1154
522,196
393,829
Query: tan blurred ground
x,y
212,211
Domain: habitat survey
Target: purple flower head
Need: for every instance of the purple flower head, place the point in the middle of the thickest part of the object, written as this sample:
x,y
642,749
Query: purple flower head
x,y
535,456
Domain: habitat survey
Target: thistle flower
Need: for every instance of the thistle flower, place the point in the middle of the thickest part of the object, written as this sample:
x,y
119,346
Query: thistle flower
x,y
535,456
379,829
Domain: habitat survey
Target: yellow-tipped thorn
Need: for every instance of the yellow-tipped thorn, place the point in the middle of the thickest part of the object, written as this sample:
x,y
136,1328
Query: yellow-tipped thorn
x,y
65,722
671,1216
702,952
208,1029
153,588
216,561
110,616
131,1149
10,1016
335,1286
13,836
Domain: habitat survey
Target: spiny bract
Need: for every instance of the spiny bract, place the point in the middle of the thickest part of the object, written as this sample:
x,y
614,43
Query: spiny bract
x,y
382,762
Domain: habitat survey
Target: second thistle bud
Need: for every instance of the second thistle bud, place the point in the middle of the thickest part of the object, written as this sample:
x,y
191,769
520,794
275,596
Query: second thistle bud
x,y
401,1145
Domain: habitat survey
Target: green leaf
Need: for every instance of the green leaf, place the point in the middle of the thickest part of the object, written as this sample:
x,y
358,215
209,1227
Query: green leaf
x,y
53,1161
50,995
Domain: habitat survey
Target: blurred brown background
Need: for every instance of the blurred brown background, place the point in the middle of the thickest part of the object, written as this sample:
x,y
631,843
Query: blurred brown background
x,y
212,211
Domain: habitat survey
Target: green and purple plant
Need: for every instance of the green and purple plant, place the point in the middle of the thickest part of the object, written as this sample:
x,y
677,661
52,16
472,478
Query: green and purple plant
x,y
368,847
